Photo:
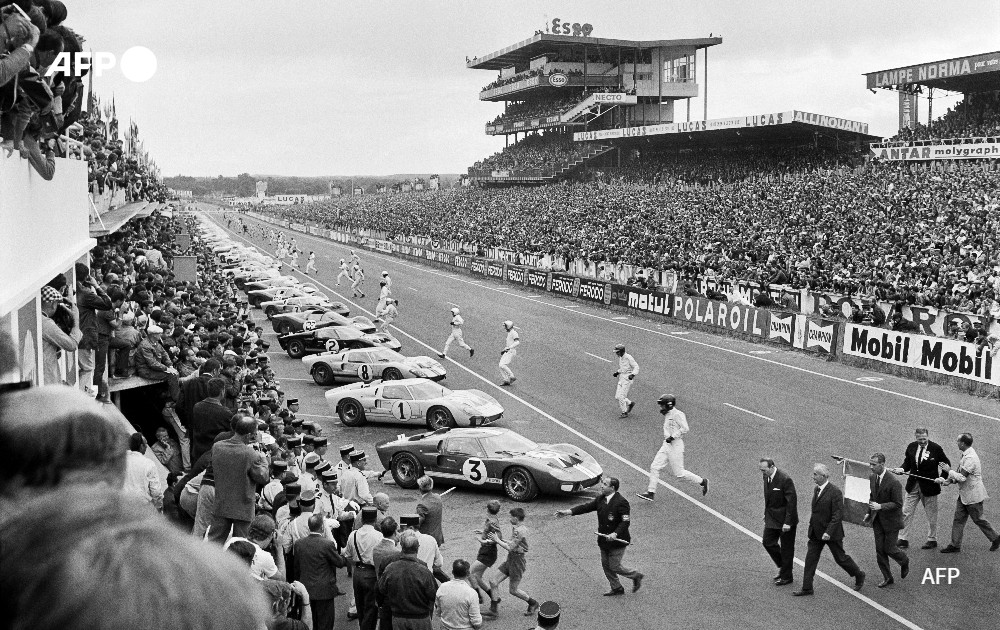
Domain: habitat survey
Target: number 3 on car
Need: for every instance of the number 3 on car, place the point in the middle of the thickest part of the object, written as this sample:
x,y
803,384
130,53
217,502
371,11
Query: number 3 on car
x,y
474,471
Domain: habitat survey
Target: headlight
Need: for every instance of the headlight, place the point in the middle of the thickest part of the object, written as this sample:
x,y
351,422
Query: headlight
x,y
475,421
419,373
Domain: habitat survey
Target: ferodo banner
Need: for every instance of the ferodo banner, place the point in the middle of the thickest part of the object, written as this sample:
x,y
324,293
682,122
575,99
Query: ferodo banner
x,y
564,284
383,246
516,275
478,266
537,279
494,270
595,291
725,315
931,354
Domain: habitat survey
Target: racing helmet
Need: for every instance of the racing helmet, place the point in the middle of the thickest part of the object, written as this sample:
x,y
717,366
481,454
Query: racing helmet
x,y
620,348
385,273
509,325
667,400
454,311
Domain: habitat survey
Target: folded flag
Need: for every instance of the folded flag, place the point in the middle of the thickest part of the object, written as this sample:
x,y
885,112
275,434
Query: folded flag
x,y
857,491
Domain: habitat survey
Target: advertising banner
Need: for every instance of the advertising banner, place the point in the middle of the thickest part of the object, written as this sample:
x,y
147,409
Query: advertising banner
x,y
461,261
781,328
725,315
564,284
537,279
931,354
494,270
816,335
989,62
445,257
595,291
478,266
968,150
383,246
616,98
907,110
516,274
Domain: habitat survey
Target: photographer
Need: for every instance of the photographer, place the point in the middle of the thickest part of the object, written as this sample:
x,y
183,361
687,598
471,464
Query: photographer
x,y
54,338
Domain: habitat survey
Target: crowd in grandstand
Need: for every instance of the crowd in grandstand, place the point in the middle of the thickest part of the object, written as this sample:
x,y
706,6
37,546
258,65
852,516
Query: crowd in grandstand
x,y
35,109
521,76
975,116
536,153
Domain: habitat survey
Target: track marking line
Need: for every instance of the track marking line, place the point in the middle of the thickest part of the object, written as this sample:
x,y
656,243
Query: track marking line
x,y
618,318
847,589
760,352
567,306
289,378
452,303
748,411
412,289
597,357
313,415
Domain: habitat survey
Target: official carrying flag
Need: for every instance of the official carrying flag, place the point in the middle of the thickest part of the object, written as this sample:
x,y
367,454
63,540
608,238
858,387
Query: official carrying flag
x,y
857,490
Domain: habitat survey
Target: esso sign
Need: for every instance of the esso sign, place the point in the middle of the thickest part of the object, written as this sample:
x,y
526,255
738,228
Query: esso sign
x,y
575,29
558,79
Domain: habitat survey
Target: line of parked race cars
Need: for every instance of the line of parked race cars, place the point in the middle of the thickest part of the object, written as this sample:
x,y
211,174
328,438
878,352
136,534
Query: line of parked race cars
x,y
381,385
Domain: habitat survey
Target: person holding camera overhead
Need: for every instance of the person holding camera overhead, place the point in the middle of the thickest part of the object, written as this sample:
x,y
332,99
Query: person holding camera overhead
x,y
55,338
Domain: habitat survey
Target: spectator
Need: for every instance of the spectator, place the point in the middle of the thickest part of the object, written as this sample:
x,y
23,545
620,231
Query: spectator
x,y
430,508
210,418
141,477
168,452
316,564
408,588
237,469
261,536
152,362
90,298
55,340
456,602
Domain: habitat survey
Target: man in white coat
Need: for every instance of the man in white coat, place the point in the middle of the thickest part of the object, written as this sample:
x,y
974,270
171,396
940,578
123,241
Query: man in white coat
x,y
971,495
626,373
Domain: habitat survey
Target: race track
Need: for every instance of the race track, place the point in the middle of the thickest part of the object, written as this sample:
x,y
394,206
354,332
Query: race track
x,y
704,565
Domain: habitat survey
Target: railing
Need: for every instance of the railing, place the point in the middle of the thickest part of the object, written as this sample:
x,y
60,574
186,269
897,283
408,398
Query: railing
x,y
889,144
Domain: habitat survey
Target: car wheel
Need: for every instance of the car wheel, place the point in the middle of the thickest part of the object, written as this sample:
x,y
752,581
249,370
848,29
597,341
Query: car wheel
x,y
519,484
391,374
322,374
439,418
351,413
269,312
296,349
406,470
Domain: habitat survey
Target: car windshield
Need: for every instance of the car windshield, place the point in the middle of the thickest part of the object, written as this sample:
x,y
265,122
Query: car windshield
x,y
507,444
423,391
385,355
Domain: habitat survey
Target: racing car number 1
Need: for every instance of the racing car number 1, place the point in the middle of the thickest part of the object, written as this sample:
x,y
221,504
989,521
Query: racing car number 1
x,y
474,471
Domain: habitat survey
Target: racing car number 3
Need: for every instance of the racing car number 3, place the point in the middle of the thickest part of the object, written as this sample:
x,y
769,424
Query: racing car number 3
x,y
474,470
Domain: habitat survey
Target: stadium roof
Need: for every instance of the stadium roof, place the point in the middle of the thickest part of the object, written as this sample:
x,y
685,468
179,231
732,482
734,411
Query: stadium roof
x,y
976,73
542,43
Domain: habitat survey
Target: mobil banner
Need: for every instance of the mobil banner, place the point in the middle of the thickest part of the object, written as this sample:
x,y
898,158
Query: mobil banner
x,y
494,270
815,335
478,266
642,300
516,274
537,279
564,284
725,315
595,291
931,354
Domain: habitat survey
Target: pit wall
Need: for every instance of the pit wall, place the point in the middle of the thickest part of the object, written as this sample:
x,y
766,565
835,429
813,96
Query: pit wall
x,y
922,357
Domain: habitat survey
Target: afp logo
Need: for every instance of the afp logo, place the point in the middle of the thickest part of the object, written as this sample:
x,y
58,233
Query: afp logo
x,y
138,63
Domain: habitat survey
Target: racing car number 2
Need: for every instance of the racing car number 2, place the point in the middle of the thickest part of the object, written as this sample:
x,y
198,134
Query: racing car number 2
x,y
474,471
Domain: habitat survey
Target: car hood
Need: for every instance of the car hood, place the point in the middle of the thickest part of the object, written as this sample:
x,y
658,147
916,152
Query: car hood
x,y
483,403
565,456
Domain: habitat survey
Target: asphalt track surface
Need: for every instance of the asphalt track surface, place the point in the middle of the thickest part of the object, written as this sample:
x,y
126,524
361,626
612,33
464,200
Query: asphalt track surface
x,y
704,565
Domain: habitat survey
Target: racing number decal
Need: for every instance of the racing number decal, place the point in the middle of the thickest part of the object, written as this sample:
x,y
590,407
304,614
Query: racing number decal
x,y
401,409
474,471
365,372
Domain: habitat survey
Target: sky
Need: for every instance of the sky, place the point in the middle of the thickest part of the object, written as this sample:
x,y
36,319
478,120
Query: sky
x,y
324,88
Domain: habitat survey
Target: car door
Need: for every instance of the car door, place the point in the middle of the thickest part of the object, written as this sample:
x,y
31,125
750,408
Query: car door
x,y
462,461
354,365
395,404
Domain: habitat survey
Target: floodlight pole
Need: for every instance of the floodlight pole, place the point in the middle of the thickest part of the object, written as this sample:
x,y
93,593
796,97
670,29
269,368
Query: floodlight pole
x,y
930,105
706,84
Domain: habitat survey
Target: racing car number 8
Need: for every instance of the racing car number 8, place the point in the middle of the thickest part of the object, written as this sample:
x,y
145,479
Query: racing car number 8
x,y
474,471
365,372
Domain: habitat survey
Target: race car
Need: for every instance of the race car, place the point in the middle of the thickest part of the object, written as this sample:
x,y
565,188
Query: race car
x,y
267,283
331,339
490,457
410,401
311,318
301,303
371,364
260,296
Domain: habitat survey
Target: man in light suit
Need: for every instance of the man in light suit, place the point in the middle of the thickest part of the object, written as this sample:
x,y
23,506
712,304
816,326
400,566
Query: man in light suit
x,y
971,494
826,528
885,513
921,458
781,517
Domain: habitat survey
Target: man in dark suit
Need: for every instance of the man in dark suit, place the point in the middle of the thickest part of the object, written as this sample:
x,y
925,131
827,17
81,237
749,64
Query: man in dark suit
x,y
430,509
613,518
781,516
316,562
885,513
209,418
237,469
921,458
826,528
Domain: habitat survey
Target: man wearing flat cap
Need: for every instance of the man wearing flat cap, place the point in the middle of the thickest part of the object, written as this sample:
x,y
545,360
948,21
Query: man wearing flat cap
x,y
353,484
152,362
